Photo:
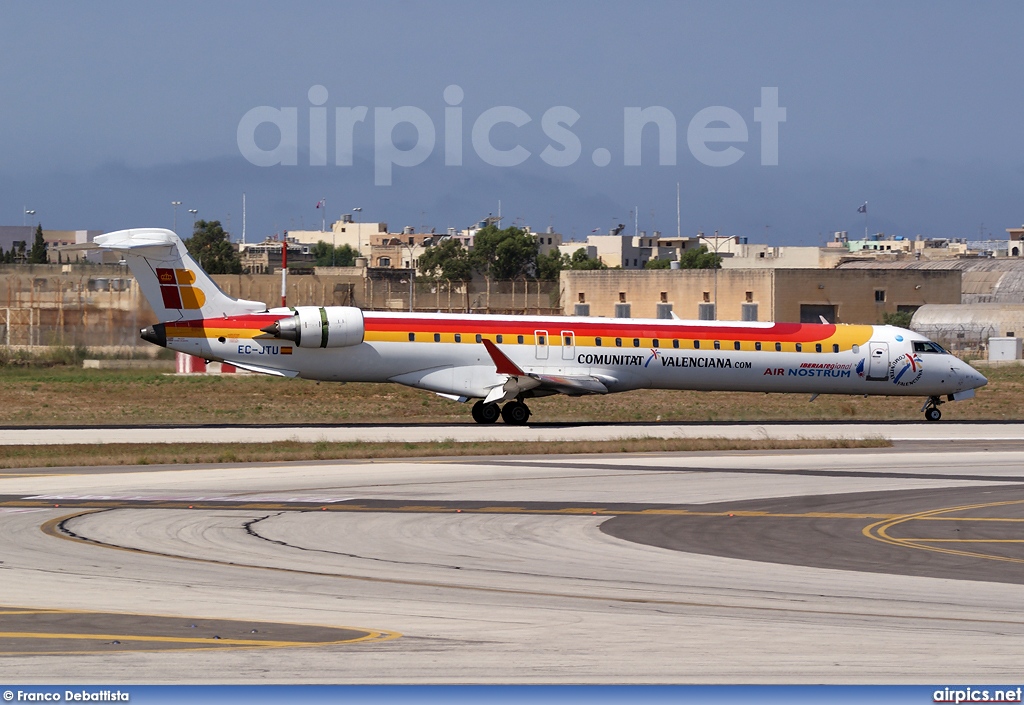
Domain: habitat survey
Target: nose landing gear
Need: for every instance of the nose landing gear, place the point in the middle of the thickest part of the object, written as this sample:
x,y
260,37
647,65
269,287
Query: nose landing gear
x,y
931,409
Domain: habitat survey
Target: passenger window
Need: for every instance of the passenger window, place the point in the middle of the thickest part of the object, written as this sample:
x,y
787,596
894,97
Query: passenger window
x,y
799,347
568,340
778,347
736,345
458,337
636,342
835,347
856,349
618,342
597,342
498,338
437,337
817,347
519,339
412,336
541,340
718,345
479,338
675,343
696,345
654,343
757,346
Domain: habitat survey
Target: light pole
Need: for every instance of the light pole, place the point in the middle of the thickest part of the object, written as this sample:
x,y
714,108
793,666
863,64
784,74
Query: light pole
x,y
718,243
175,204
412,272
359,232
25,214
193,211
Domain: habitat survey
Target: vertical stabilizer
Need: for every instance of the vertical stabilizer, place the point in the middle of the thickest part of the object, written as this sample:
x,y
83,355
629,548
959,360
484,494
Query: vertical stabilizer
x,y
174,284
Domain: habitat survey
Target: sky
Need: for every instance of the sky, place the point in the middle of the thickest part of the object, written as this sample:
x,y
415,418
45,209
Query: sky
x,y
114,110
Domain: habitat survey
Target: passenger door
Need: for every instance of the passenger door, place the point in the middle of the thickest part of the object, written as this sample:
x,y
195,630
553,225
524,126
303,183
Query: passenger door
x,y
878,361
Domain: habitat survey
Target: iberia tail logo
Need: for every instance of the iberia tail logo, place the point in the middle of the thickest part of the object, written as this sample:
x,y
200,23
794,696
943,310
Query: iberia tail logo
x,y
177,290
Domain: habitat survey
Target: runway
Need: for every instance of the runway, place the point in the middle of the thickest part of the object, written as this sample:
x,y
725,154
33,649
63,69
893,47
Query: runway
x,y
423,433
895,565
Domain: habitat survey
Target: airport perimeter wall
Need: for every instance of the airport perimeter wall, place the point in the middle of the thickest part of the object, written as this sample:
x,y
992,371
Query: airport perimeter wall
x,y
102,306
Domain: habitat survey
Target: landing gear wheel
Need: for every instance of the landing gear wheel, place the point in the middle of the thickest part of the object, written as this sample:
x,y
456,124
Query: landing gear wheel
x,y
485,413
516,413
932,413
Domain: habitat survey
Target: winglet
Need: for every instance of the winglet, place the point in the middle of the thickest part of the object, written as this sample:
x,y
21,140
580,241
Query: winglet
x,y
503,365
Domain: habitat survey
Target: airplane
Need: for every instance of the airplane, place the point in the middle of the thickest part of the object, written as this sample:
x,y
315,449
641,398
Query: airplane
x,y
499,361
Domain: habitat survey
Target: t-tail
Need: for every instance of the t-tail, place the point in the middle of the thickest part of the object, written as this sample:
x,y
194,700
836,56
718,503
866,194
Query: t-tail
x,y
175,285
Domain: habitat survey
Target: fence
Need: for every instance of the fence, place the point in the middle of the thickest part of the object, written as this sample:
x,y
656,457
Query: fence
x,y
961,339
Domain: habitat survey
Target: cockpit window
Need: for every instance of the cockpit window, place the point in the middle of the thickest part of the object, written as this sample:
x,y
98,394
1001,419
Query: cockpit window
x,y
927,346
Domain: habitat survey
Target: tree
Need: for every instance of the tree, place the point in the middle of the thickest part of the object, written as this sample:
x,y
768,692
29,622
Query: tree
x,y
900,319
550,265
211,245
700,259
37,255
504,254
327,255
658,264
447,260
580,261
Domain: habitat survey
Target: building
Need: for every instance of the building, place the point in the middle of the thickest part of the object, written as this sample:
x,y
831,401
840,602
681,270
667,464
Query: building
x,y
547,241
616,250
794,295
761,256
1015,245
984,280
400,250
346,231
265,257
16,237
882,246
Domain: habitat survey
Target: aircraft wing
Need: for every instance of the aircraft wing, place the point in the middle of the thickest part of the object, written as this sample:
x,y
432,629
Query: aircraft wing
x,y
519,381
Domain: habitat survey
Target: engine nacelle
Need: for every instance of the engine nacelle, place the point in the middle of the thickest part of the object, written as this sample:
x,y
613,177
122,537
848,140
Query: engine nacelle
x,y
320,327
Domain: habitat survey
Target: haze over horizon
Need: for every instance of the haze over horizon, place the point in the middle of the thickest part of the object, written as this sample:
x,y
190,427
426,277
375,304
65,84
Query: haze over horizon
x,y
116,109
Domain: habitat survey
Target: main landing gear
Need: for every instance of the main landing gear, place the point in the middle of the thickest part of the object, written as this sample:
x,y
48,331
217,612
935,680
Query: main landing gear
x,y
515,413
931,409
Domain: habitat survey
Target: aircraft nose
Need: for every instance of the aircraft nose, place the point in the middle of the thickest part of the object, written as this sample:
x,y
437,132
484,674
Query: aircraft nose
x,y
975,378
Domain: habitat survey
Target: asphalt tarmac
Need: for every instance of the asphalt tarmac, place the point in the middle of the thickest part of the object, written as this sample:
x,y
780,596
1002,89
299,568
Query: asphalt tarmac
x,y
921,431
900,565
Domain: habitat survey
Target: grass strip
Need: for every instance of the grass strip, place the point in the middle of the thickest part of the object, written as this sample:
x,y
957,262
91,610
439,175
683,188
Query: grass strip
x,y
30,456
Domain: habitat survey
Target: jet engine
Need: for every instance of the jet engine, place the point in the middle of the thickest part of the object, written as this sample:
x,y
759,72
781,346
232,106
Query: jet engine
x,y
320,327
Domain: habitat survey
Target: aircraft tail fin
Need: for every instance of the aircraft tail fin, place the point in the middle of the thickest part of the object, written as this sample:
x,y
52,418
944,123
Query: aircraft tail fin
x,y
175,285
